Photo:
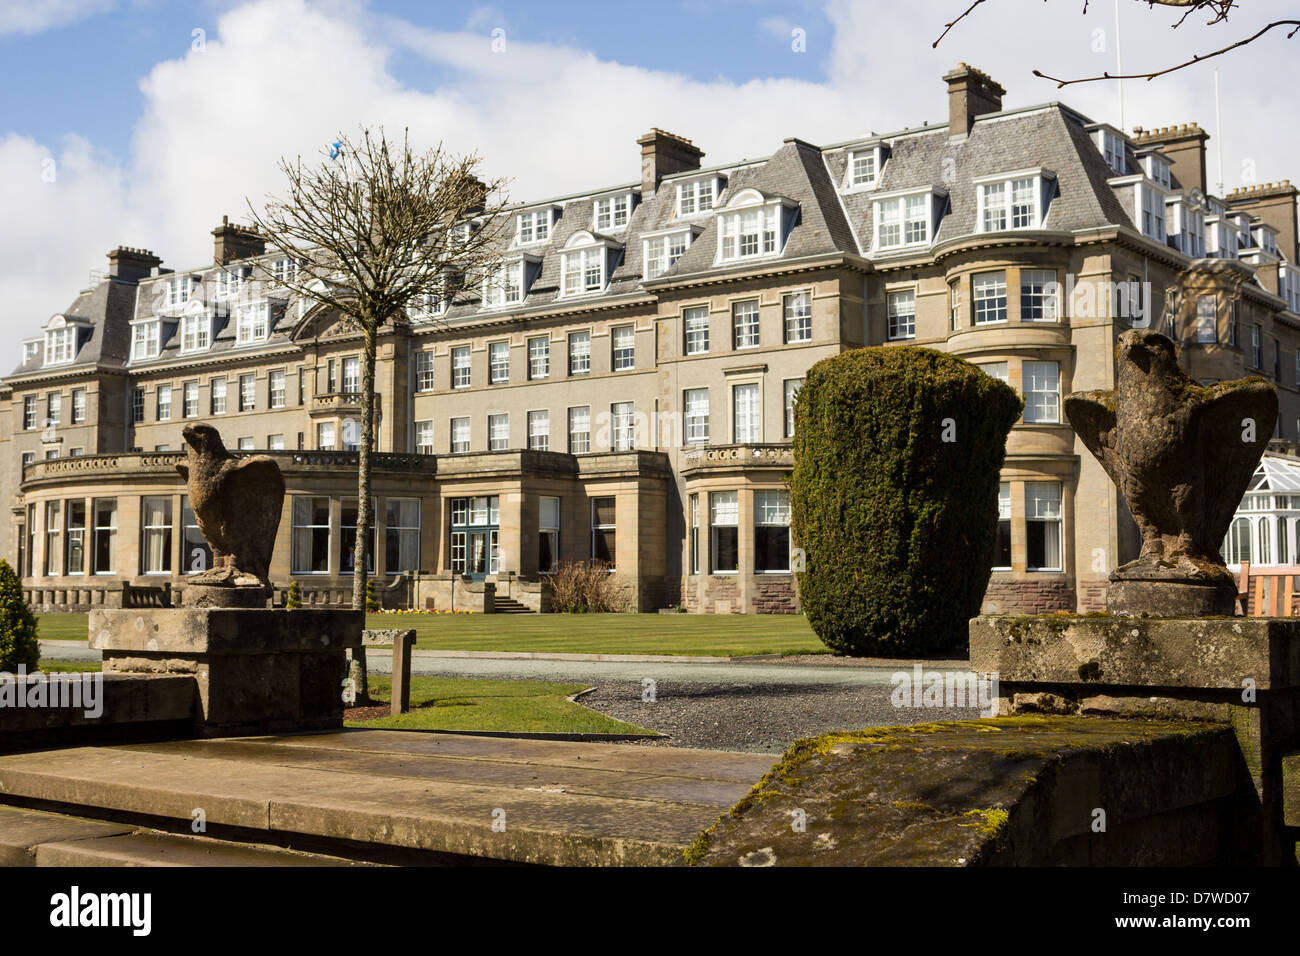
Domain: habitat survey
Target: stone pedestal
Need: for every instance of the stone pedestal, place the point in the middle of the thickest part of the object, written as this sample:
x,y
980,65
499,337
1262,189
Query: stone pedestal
x,y
1244,672
255,671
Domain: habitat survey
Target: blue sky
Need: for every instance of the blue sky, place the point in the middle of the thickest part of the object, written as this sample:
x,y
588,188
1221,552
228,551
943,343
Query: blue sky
x,y
116,127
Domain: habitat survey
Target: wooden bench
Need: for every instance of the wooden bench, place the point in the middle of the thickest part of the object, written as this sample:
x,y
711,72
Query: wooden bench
x,y
1275,591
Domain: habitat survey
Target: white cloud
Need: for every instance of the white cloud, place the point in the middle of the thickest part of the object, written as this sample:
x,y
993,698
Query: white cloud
x,y
281,78
36,16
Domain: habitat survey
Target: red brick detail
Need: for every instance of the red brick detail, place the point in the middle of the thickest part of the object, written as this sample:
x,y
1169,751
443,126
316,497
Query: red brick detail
x,y
1028,597
775,595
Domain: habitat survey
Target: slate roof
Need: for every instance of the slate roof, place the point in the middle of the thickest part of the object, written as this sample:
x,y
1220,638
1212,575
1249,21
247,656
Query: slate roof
x,y
830,219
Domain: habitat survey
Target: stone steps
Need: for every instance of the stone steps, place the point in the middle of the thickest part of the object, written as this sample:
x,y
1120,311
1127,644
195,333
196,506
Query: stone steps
x,y
392,796
42,838
511,606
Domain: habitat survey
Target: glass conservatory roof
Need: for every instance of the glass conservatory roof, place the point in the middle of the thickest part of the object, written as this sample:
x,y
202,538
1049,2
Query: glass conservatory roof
x,y
1276,473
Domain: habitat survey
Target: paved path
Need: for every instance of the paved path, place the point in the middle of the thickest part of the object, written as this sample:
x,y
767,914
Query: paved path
x,y
521,801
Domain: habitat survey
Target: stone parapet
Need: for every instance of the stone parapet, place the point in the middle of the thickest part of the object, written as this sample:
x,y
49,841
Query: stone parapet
x,y
255,671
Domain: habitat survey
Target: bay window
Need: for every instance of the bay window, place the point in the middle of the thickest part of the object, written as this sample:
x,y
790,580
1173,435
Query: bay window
x,y
771,532
156,535
1207,319
1042,388
1039,293
724,536
989,295
311,535
604,531
548,533
402,535
1043,526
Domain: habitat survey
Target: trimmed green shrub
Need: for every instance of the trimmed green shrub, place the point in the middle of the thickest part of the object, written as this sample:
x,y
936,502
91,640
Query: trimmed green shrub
x,y
897,453
372,603
293,599
18,643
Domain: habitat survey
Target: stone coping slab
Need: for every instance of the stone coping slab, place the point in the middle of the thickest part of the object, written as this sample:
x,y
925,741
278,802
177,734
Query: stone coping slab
x,y
224,631
1197,653
998,791
549,802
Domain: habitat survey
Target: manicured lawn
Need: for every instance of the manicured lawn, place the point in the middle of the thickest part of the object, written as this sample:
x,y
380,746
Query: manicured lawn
x,y
704,635
61,627
449,703
68,667
707,635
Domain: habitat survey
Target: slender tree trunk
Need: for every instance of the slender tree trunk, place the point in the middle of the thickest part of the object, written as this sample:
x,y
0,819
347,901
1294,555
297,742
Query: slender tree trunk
x,y
364,517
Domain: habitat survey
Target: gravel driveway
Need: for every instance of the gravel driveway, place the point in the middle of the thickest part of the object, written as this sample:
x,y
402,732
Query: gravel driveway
x,y
756,717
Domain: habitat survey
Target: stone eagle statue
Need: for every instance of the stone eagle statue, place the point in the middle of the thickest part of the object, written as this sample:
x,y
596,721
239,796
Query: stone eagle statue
x,y
1182,455
237,504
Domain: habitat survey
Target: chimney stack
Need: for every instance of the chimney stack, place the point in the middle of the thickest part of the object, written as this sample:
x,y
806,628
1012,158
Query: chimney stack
x,y
1275,204
663,154
1185,148
236,242
132,264
970,94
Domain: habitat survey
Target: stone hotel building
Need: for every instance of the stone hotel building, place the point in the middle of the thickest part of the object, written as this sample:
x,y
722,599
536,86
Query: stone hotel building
x,y
622,390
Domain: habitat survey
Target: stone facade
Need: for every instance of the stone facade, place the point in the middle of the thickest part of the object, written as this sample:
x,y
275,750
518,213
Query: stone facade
x,y
645,416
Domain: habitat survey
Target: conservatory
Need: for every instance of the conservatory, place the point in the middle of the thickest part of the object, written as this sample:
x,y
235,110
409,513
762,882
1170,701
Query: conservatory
x,y
1266,527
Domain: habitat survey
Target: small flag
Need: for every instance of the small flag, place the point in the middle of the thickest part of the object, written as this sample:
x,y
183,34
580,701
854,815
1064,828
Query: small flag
x,y
335,149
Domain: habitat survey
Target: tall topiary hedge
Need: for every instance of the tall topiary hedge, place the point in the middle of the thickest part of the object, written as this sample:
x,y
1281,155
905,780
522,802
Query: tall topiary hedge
x,y
17,624
897,452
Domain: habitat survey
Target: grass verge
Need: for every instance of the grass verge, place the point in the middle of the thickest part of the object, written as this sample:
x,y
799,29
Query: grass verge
x,y
451,703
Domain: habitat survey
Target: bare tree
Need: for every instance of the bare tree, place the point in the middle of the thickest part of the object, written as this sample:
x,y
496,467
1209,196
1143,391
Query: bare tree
x,y
375,231
1218,11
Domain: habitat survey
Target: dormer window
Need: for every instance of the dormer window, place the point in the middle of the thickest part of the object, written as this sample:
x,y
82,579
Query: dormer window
x,y
1266,239
284,270
663,249
696,196
585,265
864,167
909,219
534,226
431,302
1152,203
230,281
1221,238
1157,170
1288,284
30,349
1014,201
60,341
1111,146
145,339
175,292
505,286
1187,223
613,212
196,331
753,225
252,323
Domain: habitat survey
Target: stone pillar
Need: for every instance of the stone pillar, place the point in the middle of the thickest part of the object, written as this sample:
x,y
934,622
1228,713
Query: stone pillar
x,y
256,671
